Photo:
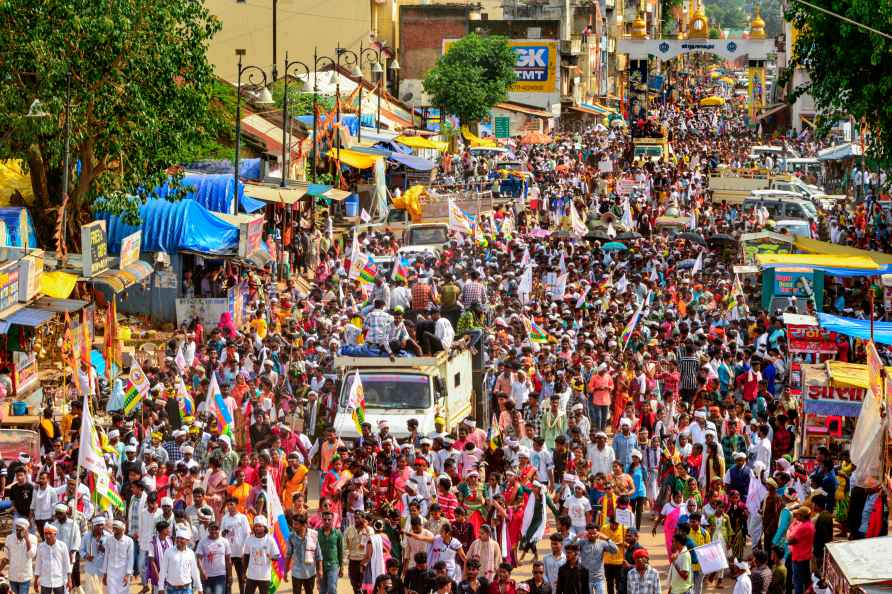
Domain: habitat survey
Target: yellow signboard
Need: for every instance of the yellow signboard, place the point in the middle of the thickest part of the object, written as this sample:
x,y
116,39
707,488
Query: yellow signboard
x,y
536,65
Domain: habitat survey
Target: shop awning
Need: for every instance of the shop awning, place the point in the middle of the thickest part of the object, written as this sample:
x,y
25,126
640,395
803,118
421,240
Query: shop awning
x,y
882,331
815,246
817,261
850,374
60,305
270,134
336,194
31,317
840,151
275,194
353,158
865,561
413,162
317,190
524,109
599,109
587,111
119,280
420,142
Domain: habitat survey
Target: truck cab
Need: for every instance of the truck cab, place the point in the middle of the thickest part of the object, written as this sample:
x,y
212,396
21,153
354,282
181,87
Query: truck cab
x,y
434,235
420,388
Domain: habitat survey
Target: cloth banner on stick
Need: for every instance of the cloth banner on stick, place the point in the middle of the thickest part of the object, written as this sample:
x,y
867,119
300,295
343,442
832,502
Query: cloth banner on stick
x,y
711,557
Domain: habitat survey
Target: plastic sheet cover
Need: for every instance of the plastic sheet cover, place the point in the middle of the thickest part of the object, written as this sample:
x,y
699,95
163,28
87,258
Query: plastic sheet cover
x,y
174,226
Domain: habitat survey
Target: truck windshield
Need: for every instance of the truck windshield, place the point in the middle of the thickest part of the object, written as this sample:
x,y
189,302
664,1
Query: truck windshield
x,y
427,236
391,391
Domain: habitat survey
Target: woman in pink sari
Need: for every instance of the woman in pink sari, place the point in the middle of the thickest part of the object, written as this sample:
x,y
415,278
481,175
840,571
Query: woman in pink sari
x,y
332,485
227,325
217,484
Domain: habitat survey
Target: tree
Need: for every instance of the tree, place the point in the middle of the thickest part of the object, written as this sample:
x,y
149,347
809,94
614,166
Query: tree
x,y
299,101
849,68
472,76
142,97
726,14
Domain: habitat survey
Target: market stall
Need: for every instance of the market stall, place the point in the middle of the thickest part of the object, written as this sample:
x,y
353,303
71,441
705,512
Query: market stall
x,y
832,395
859,566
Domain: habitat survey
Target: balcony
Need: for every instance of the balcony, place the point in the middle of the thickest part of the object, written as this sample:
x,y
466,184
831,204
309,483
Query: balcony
x,y
571,47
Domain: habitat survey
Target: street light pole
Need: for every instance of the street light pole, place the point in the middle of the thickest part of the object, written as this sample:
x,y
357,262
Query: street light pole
x,y
254,72
286,118
275,72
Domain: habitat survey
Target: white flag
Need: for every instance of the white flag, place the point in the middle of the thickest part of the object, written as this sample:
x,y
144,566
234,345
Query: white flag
x,y
692,222
364,216
581,301
578,225
560,287
712,557
525,259
698,264
180,360
525,287
357,259
627,215
654,276
562,264
458,220
90,451
622,284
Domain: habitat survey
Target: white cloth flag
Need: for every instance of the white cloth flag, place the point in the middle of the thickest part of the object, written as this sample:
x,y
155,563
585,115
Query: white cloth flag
x,y
562,264
525,259
627,215
90,452
622,284
581,301
364,216
180,360
698,265
712,557
560,287
576,222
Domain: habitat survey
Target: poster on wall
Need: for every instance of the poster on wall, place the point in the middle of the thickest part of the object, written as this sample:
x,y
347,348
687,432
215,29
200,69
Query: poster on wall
x,y
130,247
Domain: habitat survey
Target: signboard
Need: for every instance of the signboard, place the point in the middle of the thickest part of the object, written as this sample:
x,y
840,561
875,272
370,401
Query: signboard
x,y
94,248
130,247
9,285
811,339
250,236
625,186
502,126
536,65
667,49
24,371
30,271
755,91
206,310
787,281
828,400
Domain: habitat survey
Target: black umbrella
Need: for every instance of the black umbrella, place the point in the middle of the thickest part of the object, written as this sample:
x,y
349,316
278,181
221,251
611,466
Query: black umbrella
x,y
722,238
692,237
627,236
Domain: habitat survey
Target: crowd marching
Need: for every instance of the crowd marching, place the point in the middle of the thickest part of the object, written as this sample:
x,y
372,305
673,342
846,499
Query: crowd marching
x,y
632,386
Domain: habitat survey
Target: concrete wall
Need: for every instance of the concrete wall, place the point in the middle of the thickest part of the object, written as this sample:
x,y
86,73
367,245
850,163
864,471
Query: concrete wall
x,y
302,25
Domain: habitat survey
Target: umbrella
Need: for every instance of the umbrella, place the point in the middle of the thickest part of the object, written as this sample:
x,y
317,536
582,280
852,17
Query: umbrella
x,y
535,138
598,234
686,264
629,235
614,246
722,238
712,101
692,237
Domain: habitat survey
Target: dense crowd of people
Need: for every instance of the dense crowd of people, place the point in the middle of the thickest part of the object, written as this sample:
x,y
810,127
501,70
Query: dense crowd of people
x,y
633,381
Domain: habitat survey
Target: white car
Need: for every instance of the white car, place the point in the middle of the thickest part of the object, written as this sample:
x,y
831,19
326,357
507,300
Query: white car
x,y
795,227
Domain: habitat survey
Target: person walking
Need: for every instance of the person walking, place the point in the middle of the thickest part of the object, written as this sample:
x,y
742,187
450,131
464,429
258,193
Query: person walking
x,y
572,576
304,556
120,552
52,564
179,572
331,547
259,553
642,578
21,549
93,554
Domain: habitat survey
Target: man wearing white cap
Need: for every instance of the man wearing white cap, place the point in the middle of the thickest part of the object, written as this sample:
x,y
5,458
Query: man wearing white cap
x,y
601,455
741,571
149,516
178,572
68,532
119,558
52,564
259,553
21,548
93,554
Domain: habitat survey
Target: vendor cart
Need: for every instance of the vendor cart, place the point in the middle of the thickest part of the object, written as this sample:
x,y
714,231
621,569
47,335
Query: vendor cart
x,y
859,566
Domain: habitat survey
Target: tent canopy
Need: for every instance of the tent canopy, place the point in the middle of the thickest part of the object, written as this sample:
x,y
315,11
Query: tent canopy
x,y
174,226
817,261
213,191
815,246
882,331
353,158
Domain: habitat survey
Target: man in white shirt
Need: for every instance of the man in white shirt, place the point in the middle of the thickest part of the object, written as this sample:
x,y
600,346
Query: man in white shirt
x,y
43,501
443,330
52,564
234,527
149,516
214,552
259,553
601,455
119,552
21,548
69,533
178,572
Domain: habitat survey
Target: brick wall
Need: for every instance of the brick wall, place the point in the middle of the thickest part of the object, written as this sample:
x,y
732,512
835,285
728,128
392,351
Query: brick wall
x,y
422,31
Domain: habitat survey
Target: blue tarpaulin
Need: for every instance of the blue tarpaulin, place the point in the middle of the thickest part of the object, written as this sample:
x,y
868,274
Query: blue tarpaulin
x,y
247,168
882,331
174,226
18,227
214,192
318,189
412,161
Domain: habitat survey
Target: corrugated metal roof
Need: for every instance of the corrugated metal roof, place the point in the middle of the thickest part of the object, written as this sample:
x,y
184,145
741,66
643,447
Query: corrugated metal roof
x,y
31,317
60,305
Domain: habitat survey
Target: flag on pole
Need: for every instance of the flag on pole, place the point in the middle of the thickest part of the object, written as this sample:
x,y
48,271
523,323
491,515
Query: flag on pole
x,y
184,399
494,435
90,451
401,269
278,529
459,220
525,259
535,332
622,284
560,287
357,259
562,264
369,271
111,339
627,215
698,264
137,388
633,322
356,402
364,216
219,408
180,360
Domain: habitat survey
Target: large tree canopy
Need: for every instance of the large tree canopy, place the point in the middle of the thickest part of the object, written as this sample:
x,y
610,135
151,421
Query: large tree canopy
x,y
141,95
472,76
850,68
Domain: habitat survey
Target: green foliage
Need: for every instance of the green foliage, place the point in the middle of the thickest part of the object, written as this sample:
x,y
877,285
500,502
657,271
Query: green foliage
x,y
726,14
143,95
773,15
850,69
472,76
299,102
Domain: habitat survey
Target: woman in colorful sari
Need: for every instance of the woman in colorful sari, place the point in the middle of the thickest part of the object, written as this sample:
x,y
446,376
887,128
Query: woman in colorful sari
x,y
470,494
332,484
515,501
499,520
217,484
377,552
737,520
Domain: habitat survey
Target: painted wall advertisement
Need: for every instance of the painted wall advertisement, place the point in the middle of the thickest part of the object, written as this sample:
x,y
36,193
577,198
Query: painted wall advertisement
x,y
130,246
788,282
250,236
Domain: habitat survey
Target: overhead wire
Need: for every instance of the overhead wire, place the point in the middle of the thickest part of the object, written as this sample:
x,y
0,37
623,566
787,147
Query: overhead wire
x,y
845,18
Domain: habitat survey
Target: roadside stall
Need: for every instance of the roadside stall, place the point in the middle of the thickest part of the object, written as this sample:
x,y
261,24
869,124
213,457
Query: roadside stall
x,y
859,566
832,397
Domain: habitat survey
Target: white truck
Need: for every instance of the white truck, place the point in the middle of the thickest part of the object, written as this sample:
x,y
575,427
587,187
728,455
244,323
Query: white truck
x,y
421,388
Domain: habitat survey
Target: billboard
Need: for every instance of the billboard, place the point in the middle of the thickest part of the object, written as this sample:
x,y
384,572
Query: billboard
x,y
536,66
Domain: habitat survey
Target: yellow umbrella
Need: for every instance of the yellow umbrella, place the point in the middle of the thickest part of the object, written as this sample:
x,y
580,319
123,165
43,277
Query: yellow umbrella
x,y
713,101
